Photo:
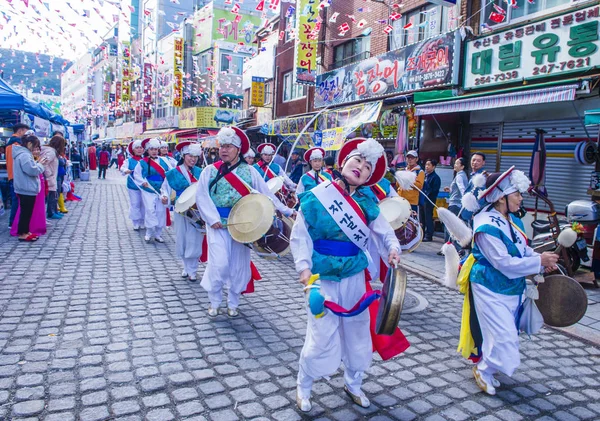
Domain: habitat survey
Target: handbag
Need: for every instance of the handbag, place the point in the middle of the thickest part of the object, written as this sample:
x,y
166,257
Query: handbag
x,y
529,317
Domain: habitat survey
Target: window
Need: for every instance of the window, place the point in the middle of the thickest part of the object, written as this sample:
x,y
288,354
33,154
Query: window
x,y
497,13
268,93
291,90
204,62
232,64
349,52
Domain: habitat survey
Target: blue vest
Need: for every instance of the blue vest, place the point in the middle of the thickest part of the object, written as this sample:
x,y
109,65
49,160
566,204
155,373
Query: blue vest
x,y
485,274
223,194
178,182
153,177
384,184
131,164
272,166
310,183
321,226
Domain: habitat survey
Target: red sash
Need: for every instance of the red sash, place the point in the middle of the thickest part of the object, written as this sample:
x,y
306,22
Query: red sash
x,y
321,176
136,158
192,178
265,167
386,346
157,167
379,192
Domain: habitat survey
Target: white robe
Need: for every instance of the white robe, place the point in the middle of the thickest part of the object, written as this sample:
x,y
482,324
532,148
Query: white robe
x,y
155,213
228,261
374,267
136,203
331,339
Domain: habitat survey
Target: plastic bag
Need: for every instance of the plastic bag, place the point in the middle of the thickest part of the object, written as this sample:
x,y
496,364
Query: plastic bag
x,y
530,318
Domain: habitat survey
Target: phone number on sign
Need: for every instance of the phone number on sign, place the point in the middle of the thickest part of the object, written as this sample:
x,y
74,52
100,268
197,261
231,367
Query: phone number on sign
x,y
556,67
500,77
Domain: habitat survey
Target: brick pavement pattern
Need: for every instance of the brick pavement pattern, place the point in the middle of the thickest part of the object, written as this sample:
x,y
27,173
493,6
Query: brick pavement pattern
x,y
97,325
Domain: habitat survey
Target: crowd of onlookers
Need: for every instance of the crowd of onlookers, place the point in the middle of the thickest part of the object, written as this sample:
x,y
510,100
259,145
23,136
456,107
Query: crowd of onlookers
x,y
38,181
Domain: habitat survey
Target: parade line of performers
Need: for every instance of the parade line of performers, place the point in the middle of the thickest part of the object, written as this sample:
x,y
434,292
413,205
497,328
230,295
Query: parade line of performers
x,y
340,237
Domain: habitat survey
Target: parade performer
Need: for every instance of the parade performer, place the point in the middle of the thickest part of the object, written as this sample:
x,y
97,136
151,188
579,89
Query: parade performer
x,y
136,203
249,157
269,169
315,176
188,234
493,278
166,155
220,187
330,238
150,173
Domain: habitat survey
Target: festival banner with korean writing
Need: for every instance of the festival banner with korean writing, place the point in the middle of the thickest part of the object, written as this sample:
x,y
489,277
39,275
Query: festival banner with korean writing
x,y
178,72
126,74
148,84
209,117
559,45
424,65
257,98
307,33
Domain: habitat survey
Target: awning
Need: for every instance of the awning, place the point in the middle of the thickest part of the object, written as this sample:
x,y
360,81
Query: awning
x,y
592,117
513,99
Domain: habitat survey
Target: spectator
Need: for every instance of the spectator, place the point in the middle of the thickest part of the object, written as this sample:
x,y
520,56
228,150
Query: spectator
x,y
477,167
121,156
279,159
296,167
50,154
26,182
92,158
19,131
457,189
330,167
114,158
412,159
431,188
62,172
103,162
76,161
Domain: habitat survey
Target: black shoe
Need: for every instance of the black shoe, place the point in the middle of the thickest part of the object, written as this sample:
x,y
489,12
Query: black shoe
x,y
427,240
439,253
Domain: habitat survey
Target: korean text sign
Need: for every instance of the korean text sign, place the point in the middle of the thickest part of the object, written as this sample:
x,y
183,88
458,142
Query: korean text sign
x,y
418,66
257,98
307,32
561,44
178,72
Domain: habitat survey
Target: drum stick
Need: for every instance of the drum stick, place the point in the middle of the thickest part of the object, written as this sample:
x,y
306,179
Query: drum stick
x,y
237,223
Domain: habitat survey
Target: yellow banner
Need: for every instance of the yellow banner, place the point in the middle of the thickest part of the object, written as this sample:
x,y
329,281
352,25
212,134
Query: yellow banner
x,y
209,117
257,98
307,32
178,72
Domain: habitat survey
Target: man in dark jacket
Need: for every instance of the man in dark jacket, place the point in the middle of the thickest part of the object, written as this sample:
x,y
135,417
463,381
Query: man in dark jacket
x,y
431,188
296,167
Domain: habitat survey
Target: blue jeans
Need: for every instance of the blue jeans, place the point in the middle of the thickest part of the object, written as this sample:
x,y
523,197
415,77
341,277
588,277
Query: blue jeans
x,y
14,203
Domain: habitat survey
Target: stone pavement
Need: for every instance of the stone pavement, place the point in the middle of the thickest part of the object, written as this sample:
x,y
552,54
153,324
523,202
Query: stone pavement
x,y
97,325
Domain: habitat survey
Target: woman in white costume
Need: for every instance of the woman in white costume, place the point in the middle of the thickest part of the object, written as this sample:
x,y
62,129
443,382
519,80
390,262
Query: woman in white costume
x,y
313,177
136,203
249,157
495,274
164,154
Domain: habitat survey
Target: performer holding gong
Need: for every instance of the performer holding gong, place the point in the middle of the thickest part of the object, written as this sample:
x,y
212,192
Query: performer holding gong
x,y
493,278
188,234
315,176
220,187
330,238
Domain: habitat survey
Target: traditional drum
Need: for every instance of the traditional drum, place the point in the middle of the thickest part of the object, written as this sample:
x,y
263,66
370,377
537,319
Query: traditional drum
x,y
276,242
391,301
251,218
410,235
396,210
275,184
563,301
186,205
281,192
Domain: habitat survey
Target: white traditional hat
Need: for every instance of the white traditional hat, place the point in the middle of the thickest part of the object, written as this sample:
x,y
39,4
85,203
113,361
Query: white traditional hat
x,y
151,143
249,154
498,185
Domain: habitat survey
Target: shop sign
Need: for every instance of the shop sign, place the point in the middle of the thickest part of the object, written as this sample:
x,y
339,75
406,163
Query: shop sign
x,y
307,33
126,73
161,123
178,72
210,117
258,91
554,46
415,67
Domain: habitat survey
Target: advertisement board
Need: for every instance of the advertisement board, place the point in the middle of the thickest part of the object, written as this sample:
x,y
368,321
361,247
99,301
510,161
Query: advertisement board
x,y
257,98
424,65
554,46
178,72
307,33
209,117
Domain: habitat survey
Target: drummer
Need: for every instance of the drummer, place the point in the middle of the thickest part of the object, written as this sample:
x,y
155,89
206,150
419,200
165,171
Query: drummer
x,y
188,235
249,157
220,187
329,238
496,271
136,204
150,173
164,154
269,169
314,157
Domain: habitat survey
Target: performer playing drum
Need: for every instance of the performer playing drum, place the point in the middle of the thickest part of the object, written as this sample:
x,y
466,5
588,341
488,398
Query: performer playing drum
x,y
188,234
314,157
268,169
221,186
330,238
136,204
151,173
493,278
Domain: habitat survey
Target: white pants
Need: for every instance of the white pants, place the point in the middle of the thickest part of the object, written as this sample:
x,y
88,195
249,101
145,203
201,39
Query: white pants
x,y
496,314
331,339
188,239
136,207
155,214
228,266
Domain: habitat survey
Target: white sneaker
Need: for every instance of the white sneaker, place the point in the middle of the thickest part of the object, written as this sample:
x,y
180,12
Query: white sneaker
x,y
184,274
483,385
148,238
495,382
232,312
360,399
303,403
192,278
159,239
213,312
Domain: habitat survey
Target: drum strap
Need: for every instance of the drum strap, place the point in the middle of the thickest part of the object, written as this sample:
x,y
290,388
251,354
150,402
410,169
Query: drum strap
x,y
266,169
192,178
156,166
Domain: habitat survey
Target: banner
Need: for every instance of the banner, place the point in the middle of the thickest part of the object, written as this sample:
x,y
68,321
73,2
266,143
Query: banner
x,y
553,46
178,72
209,117
41,127
257,98
148,83
307,34
415,67
126,74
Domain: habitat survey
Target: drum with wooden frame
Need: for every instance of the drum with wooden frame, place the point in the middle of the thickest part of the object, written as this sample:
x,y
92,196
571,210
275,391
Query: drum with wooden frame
x,y
396,210
410,235
186,205
276,242
251,218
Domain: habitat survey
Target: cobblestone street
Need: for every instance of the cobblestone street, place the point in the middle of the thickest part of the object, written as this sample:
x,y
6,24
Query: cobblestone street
x,y
95,324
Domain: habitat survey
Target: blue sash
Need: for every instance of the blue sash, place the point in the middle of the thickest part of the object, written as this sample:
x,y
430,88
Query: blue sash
x,y
224,212
336,248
